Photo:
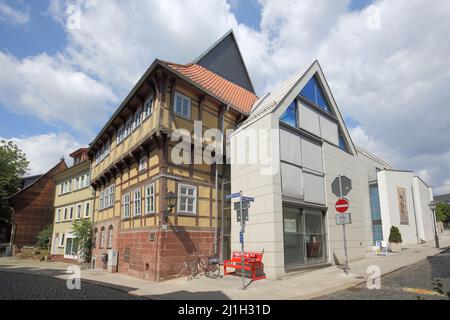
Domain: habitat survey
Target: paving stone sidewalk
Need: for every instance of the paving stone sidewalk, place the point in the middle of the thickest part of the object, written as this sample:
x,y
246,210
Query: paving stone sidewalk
x,y
302,285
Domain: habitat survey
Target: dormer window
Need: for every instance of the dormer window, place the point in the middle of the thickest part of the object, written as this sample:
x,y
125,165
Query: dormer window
x,y
182,105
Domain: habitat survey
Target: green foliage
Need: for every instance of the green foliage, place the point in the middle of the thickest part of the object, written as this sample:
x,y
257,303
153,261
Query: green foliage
x,y
44,237
13,165
395,236
82,231
443,212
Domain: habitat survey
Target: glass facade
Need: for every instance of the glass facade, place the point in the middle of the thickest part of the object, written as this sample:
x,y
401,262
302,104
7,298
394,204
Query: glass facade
x,y
304,237
313,92
377,229
290,115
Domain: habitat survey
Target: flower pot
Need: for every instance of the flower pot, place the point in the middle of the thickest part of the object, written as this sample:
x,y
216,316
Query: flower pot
x,y
395,247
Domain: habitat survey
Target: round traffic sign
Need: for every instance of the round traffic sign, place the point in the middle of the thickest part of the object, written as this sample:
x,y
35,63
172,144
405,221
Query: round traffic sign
x,y
342,205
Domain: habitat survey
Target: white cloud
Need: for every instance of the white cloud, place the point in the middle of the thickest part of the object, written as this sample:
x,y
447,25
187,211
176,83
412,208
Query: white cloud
x,y
10,16
47,88
45,151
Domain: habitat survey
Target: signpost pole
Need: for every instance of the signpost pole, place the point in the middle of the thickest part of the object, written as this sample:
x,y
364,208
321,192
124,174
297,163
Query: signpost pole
x,y
242,240
346,268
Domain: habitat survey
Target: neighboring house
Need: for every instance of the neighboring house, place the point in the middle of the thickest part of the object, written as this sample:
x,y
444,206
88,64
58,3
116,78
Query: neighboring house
x,y
293,216
133,169
33,207
73,201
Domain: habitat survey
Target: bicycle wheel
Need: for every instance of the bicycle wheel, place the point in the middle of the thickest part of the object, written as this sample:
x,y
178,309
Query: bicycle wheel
x,y
213,270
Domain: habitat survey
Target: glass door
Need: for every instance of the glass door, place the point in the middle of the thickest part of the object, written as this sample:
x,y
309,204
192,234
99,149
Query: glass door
x,y
304,237
71,249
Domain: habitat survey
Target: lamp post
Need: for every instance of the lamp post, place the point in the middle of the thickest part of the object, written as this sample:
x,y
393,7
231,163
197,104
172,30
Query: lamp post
x,y
432,207
171,202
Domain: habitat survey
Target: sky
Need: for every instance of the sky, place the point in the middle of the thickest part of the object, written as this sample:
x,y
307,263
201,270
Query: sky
x,y
65,66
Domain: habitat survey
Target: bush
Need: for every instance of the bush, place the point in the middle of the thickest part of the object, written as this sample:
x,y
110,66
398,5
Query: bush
x,y
44,237
395,236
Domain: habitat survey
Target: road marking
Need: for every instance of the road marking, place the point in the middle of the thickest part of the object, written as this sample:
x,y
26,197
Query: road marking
x,y
423,291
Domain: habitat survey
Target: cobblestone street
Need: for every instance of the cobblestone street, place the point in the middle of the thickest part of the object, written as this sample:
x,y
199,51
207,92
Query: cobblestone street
x,y
419,281
18,286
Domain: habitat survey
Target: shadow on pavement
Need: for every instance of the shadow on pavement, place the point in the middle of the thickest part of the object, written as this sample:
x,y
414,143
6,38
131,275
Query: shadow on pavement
x,y
186,295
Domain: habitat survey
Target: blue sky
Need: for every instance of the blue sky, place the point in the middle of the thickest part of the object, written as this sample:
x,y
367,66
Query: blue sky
x,y
58,86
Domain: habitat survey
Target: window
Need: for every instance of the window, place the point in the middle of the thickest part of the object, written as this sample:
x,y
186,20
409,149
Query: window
x,y
137,203
110,237
79,211
65,214
58,215
71,214
148,107
290,115
120,134
107,198
182,105
313,92
126,206
76,183
128,126
97,157
150,199
137,118
83,182
66,186
111,196
61,240
100,202
143,164
342,144
102,237
87,208
187,198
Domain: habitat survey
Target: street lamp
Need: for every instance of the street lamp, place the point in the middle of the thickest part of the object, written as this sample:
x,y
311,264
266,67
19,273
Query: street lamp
x,y
432,206
171,202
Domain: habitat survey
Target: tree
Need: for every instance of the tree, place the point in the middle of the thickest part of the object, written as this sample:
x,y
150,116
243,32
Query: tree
x,y
395,236
443,212
82,232
44,237
13,166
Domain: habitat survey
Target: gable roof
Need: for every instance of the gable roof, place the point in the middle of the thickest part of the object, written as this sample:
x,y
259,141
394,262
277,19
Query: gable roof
x,y
278,100
224,58
235,95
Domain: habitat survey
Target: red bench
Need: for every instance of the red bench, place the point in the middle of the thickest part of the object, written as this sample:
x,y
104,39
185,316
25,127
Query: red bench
x,y
252,262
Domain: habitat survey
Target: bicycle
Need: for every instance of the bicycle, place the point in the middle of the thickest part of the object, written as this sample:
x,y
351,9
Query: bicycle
x,y
209,265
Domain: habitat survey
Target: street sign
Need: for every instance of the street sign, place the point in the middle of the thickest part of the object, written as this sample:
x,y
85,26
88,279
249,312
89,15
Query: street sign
x,y
342,205
232,195
346,186
248,199
343,219
245,204
241,237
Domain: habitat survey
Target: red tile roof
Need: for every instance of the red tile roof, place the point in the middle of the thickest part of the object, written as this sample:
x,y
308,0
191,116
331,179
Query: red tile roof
x,y
235,95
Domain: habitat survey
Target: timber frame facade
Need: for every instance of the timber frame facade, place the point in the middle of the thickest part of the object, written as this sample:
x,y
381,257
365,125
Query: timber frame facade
x,y
132,171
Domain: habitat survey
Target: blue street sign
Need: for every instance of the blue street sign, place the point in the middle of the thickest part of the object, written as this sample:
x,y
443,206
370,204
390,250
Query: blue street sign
x,y
233,195
248,199
241,237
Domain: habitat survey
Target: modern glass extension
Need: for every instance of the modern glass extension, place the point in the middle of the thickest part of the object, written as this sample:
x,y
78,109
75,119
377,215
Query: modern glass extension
x,y
304,237
377,227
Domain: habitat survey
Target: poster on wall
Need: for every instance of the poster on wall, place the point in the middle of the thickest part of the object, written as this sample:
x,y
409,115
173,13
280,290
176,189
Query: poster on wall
x,y
402,206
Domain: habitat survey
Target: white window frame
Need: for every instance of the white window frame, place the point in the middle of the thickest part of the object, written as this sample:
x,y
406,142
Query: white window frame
x,y
150,199
71,212
143,163
120,134
128,126
87,209
79,211
137,210
137,118
62,238
112,199
183,98
187,196
66,213
110,236
148,107
58,215
126,206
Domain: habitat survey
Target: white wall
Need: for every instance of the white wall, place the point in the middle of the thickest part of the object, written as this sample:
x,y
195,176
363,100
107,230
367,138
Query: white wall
x,y
388,182
422,197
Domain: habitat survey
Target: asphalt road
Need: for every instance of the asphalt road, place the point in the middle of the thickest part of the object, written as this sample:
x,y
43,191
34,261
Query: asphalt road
x,y
18,286
428,280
